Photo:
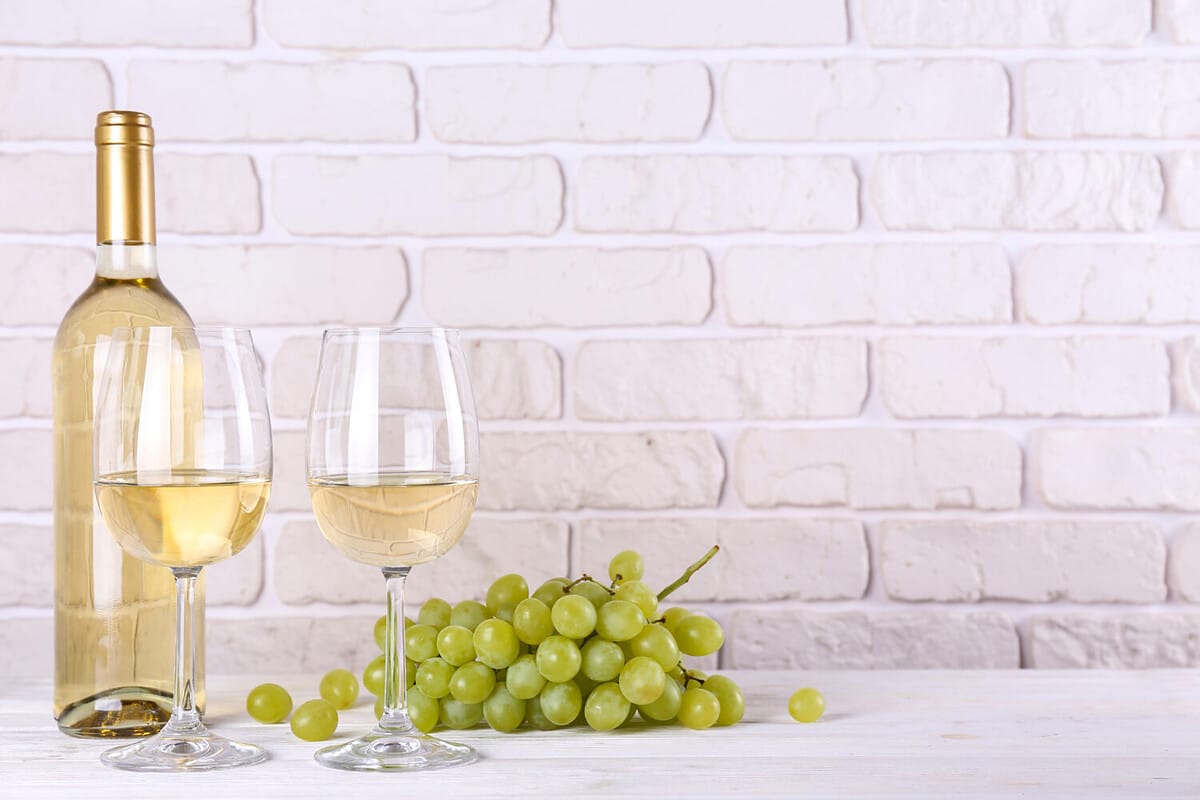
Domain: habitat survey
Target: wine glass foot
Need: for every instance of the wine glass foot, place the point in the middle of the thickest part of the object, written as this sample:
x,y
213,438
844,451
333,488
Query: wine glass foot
x,y
396,751
191,750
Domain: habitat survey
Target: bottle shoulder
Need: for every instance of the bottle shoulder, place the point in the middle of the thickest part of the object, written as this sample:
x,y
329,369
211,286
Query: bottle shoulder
x,y
109,303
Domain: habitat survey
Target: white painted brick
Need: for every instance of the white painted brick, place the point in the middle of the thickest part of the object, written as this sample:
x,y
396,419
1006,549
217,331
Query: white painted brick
x,y
1029,560
878,468
566,286
1183,569
1183,173
715,194
1005,23
422,195
26,471
38,283
236,581
1179,20
1109,283
1023,376
47,193
1118,468
776,378
1124,641
1038,191
289,484
25,364
27,565
515,103
214,23
266,646
791,638
410,25
27,648
568,470
27,84
205,194
700,23
1185,358
760,559
309,570
510,378
884,284
862,99
287,284
276,101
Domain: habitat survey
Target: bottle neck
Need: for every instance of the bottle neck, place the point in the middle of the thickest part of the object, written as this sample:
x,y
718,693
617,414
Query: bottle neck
x,y
124,186
126,262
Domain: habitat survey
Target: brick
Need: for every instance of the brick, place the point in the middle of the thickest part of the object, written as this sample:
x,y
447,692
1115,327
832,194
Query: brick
x,y
1035,561
217,23
510,378
1121,641
374,196
236,581
567,470
277,101
515,103
1183,569
1182,173
851,99
26,648
288,284
261,646
776,378
206,194
75,85
566,286
1118,468
760,559
883,284
1179,20
1110,283
716,194
1006,23
790,638
289,484
27,565
411,25
308,569
25,391
1097,376
38,283
876,468
26,471
700,23
47,193
1028,190
1185,380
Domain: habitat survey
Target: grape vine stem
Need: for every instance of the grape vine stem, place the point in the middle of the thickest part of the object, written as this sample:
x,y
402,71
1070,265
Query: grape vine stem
x,y
689,572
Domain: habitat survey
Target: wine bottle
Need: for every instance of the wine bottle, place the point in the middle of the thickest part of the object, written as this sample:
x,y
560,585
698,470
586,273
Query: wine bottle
x,y
114,617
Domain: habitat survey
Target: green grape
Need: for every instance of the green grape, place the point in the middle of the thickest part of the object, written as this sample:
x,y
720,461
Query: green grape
x,y
269,703
378,708
602,660
315,720
561,702
729,694
640,595
420,642
551,590
380,631
699,708
673,616
472,683
468,614
459,715
574,616
619,621
666,706
456,644
558,659
506,592
435,612
806,705
422,709
535,717
410,671
523,679
503,711
372,677
699,636
339,688
433,677
626,565
532,621
642,680
585,684
676,674
593,591
496,643
656,642
606,708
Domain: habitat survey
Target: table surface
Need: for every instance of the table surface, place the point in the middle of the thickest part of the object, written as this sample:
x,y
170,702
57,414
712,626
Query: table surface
x,y
885,734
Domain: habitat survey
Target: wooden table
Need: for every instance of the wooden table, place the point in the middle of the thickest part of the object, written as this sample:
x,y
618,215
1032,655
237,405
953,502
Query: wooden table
x,y
886,734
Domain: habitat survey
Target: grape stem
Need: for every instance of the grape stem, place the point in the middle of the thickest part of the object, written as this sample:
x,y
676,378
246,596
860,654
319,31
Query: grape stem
x,y
584,578
689,676
689,572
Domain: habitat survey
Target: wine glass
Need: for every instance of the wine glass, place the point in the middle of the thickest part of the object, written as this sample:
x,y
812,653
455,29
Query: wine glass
x,y
393,465
182,474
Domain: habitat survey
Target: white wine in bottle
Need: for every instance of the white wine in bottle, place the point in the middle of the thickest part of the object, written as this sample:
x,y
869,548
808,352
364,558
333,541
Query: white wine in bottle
x,y
114,618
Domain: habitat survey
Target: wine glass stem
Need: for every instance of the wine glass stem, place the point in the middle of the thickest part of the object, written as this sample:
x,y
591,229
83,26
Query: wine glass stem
x,y
184,713
395,682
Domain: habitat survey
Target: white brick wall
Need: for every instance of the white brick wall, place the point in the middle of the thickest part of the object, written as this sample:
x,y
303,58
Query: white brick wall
x,y
892,299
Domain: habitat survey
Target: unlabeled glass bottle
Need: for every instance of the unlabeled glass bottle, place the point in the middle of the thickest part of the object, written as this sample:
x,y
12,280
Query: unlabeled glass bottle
x,y
114,615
